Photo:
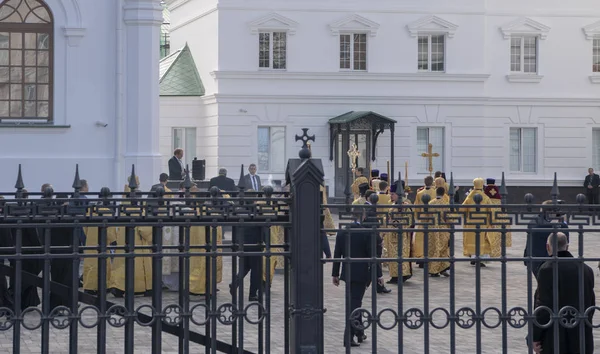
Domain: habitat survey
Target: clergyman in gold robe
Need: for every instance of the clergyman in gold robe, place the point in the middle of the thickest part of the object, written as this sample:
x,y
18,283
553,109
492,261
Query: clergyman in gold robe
x,y
360,179
474,219
398,216
495,238
438,240
419,239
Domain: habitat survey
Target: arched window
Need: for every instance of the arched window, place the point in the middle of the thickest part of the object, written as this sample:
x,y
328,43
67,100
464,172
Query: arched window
x,y
26,53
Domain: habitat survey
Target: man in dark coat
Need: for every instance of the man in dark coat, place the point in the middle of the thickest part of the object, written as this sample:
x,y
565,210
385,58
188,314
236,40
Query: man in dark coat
x,y
541,228
591,184
357,275
223,182
176,167
252,237
569,340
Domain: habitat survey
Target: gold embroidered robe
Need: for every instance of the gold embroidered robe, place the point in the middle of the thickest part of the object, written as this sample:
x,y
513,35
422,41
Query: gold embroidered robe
x,y
438,240
90,265
474,219
391,240
495,238
419,238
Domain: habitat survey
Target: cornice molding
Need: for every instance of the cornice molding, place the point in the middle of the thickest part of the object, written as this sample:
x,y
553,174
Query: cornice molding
x,y
73,35
592,31
273,22
345,75
524,26
432,25
354,24
524,78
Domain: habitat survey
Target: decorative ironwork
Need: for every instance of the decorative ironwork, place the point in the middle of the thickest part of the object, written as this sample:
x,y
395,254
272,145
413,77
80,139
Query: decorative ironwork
x,y
306,312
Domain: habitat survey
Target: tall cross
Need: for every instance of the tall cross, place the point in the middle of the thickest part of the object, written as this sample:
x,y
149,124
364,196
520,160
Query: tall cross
x,y
430,155
353,153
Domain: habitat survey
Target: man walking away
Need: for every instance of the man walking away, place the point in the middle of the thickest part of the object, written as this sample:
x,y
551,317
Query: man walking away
x,y
569,340
223,182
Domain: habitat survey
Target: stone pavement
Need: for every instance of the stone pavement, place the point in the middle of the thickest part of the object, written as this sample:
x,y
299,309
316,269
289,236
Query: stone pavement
x,y
387,340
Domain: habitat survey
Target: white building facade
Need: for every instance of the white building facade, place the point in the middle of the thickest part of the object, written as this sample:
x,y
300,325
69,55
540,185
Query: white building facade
x,y
495,86
78,86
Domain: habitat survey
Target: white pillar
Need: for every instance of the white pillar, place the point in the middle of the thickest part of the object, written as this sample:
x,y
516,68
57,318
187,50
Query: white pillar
x,y
142,19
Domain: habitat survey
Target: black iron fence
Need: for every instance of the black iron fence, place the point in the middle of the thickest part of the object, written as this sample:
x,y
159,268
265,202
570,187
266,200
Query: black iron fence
x,y
132,245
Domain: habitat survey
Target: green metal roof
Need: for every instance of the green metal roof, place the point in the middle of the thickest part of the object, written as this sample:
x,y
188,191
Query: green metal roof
x,y
356,115
179,75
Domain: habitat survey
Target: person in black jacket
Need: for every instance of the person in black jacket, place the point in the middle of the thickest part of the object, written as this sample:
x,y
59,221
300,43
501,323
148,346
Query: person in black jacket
x,y
252,237
568,295
176,166
591,184
545,224
223,182
356,275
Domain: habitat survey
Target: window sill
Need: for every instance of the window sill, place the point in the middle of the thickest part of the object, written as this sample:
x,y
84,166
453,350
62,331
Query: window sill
x,y
595,79
33,126
527,78
271,69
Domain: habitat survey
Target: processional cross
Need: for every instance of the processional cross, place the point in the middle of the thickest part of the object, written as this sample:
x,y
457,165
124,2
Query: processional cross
x,y
353,154
430,155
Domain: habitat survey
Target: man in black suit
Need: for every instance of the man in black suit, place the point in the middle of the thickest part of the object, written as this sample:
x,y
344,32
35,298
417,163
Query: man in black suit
x,y
541,228
356,275
176,167
568,295
252,180
252,237
591,184
223,182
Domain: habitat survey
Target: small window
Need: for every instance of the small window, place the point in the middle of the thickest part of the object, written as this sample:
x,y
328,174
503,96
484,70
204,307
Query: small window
x,y
353,51
596,56
431,53
523,55
271,149
435,137
523,149
185,138
272,50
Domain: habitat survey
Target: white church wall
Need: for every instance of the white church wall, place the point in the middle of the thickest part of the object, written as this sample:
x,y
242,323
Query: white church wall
x,y
84,93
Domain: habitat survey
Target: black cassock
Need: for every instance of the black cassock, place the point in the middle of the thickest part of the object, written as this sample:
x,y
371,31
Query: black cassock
x,y
61,269
29,291
5,241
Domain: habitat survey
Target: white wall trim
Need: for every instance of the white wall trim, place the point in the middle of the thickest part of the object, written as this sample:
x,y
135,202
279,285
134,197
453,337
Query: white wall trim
x,y
193,19
595,79
525,78
273,22
524,26
432,25
73,35
347,75
410,100
354,24
592,31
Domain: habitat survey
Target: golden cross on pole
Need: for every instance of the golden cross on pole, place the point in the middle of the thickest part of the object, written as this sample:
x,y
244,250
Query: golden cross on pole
x,y
430,155
353,154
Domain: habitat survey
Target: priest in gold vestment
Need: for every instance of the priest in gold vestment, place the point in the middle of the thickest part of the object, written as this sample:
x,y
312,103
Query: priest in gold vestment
x,y
441,182
396,217
438,240
473,219
493,192
142,265
418,246
360,179
90,264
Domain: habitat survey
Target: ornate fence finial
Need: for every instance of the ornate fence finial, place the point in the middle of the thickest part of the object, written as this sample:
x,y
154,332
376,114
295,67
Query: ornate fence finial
x,y
76,182
426,198
451,191
503,190
241,181
305,152
133,180
19,185
400,187
554,193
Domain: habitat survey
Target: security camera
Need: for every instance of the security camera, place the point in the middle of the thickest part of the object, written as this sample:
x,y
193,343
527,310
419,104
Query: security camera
x,y
101,124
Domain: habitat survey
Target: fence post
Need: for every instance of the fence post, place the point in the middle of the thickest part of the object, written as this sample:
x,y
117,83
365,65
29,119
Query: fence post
x,y
306,289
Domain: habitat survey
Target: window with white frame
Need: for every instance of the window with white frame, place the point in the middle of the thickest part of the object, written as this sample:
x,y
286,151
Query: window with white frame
x,y
271,149
523,54
185,138
596,148
435,137
523,149
431,53
272,50
353,51
596,55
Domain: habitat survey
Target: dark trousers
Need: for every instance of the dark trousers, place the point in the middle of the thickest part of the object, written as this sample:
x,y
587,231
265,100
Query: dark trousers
x,y
592,196
357,292
326,247
252,265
